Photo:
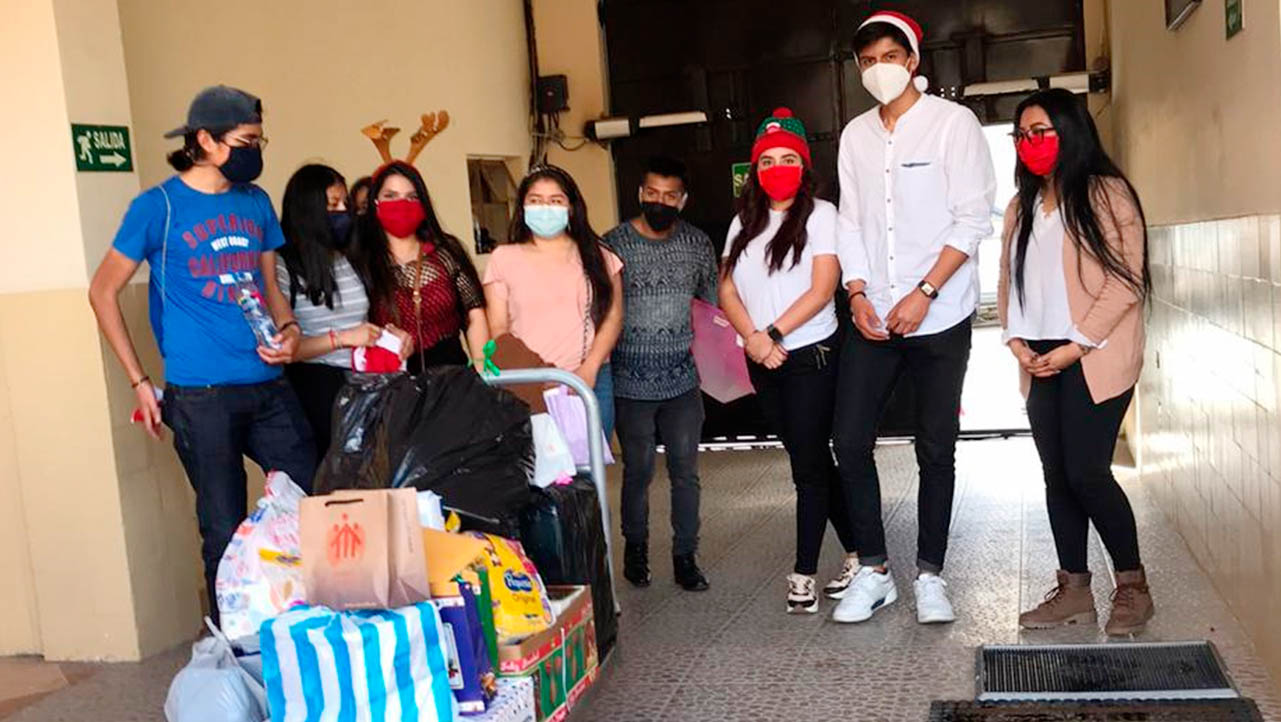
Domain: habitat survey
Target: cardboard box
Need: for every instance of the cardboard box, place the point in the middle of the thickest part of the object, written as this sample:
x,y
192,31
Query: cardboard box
x,y
561,661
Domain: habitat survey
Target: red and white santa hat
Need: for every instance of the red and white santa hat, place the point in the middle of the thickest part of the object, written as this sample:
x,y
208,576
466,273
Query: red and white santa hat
x,y
911,29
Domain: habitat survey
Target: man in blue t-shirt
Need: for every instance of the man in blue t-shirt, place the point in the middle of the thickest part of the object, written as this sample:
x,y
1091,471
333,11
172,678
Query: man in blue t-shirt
x,y
200,232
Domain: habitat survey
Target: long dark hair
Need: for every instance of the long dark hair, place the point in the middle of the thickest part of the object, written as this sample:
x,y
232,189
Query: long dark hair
x,y
311,246
1082,165
371,252
753,215
580,229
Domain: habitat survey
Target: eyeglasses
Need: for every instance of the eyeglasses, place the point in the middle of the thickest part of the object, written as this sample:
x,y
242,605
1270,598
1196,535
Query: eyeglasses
x,y
1034,136
259,142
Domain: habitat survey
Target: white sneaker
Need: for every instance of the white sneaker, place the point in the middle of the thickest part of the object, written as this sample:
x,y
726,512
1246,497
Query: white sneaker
x,y
869,592
932,606
836,588
801,598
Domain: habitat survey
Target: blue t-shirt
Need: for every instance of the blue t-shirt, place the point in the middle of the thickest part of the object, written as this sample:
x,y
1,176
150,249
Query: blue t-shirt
x,y
200,330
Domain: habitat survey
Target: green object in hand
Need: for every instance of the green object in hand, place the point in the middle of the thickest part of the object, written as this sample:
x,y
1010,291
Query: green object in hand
x,y
491,369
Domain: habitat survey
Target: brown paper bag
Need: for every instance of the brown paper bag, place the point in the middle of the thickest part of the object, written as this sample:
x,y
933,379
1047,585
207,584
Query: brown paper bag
x,y
512,353
363,550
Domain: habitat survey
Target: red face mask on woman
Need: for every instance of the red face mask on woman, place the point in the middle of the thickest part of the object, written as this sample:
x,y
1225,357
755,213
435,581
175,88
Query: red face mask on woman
x,y
1040,158
781,182
401,217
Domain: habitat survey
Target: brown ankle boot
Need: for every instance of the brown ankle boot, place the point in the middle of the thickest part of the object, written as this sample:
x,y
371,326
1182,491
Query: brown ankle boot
x,y
1071,602
1131,604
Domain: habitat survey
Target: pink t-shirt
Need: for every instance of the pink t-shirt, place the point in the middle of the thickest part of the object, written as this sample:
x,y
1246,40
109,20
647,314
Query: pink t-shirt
x,y
548,300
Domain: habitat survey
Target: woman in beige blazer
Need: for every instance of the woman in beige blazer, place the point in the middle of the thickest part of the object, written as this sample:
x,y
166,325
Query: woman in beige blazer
x,y
1074,276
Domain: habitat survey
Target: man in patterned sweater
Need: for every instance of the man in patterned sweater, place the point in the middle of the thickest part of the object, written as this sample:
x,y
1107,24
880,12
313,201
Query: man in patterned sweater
x,y
667,263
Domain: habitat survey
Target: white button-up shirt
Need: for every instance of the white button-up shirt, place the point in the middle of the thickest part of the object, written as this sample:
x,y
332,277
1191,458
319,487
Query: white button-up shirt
x,y
1043,314
906,195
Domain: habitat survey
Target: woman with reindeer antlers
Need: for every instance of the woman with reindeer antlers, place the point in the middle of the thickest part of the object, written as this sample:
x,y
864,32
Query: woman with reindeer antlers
x,y
418,277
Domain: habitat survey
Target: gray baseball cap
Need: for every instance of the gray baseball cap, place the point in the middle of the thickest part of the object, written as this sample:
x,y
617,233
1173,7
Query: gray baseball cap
x,y
220,107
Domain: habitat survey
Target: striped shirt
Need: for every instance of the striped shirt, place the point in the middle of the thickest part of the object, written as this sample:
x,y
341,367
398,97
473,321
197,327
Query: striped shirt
x,y
351,307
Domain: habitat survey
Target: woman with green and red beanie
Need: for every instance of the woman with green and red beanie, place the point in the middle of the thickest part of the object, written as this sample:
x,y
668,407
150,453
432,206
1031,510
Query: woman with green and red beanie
x,y
777,287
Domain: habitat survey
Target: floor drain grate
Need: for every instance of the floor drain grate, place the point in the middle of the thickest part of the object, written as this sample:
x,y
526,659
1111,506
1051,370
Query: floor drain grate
x,y
1222,710
1142,671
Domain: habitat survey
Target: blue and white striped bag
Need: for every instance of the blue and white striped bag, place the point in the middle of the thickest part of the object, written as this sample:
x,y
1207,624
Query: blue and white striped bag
x,y
360,666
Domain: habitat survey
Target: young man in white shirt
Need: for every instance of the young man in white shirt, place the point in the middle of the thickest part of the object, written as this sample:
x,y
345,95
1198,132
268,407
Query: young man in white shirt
x,y
917,187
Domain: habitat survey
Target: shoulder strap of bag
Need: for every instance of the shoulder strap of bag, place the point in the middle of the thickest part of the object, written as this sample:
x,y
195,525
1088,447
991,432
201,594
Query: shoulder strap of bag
x,y
164,250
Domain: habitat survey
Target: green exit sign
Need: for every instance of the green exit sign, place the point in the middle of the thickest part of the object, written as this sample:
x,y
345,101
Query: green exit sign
x,y
740,171
1233,16
102,148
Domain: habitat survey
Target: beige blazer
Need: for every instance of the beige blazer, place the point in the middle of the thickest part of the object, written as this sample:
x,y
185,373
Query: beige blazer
x,y
1103,307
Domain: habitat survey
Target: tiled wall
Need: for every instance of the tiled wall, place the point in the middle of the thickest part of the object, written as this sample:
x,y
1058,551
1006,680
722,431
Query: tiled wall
x,y
1209,407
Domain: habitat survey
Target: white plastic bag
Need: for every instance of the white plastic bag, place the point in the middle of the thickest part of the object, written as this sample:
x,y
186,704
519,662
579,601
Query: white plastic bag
x,y
553,460
430,513
260,576
214,687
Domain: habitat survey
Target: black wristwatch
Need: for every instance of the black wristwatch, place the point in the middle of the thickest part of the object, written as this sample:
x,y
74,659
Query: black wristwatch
x,y
928,289
775,335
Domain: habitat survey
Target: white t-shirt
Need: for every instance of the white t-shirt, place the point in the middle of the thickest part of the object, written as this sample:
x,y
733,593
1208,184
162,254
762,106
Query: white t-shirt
x,y
769,295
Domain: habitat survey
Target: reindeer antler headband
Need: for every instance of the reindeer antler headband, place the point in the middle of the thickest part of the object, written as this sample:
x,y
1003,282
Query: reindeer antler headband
x,y
432,125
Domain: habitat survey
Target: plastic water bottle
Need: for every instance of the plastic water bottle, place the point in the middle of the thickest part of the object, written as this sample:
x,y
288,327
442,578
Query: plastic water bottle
x,y
254,308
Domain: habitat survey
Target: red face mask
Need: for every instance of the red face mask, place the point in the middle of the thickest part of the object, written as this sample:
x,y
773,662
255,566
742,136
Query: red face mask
x,y
401,217
1040,158
781,182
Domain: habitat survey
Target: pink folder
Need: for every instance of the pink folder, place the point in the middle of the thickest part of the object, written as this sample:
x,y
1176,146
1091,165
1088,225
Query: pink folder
x,y
722,365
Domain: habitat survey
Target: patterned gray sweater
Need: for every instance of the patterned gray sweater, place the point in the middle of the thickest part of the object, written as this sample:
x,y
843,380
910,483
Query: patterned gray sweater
x,y
652,361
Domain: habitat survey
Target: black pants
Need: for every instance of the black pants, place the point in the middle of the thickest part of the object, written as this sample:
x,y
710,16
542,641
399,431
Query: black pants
x,y
798,399
679,422
869,372
1076,439
317,385
447,352
214,428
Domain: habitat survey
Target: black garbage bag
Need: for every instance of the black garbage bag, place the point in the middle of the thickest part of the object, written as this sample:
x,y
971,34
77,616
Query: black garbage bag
x,y
445,431
562,534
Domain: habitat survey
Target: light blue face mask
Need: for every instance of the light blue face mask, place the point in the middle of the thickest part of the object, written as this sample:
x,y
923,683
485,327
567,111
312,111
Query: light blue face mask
x,y
547,221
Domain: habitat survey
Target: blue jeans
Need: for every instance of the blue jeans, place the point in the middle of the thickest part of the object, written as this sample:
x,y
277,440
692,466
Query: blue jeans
x,y
214,428
605,397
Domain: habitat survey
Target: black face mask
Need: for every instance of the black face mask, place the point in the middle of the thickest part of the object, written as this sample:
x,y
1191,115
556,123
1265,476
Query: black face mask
x,y
244,165
660,216
340,222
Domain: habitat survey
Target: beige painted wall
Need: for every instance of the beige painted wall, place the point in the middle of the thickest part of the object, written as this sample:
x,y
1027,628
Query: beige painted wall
x,y
1193,120
1194,113
570,42
325,70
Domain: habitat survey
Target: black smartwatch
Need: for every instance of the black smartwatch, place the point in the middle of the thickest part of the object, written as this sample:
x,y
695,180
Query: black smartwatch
x,y
775,335
928,289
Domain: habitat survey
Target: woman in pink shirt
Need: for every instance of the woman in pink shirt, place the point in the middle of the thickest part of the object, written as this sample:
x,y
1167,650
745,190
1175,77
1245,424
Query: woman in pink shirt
x,y
555,286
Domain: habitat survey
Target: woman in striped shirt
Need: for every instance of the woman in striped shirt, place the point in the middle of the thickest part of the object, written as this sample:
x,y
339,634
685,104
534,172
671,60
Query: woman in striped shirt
x,y
327,296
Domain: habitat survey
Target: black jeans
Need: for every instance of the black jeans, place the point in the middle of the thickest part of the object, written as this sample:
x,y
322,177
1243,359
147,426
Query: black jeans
x,y
317,385
869,372
214,428
798,399
1076,439
679,422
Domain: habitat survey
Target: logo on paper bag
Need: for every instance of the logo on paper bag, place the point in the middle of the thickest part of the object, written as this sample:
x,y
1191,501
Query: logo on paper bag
x,y
518,582
345,542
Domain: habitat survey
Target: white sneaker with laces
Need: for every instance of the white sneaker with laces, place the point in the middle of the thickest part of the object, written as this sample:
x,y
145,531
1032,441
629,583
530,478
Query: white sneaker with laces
x,y
801,598
836,588
932,605
869,592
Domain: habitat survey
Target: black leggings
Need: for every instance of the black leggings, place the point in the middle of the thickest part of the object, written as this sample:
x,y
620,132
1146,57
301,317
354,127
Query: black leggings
x,y
1076,439
798,399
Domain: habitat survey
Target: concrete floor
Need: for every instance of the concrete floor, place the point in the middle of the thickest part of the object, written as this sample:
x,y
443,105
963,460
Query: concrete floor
x,y
733,654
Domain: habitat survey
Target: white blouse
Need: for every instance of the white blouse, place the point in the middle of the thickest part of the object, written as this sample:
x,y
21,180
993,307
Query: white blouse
x,y
1043,314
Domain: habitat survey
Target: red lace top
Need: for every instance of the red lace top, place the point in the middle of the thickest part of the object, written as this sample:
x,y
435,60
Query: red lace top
x,y
447,295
